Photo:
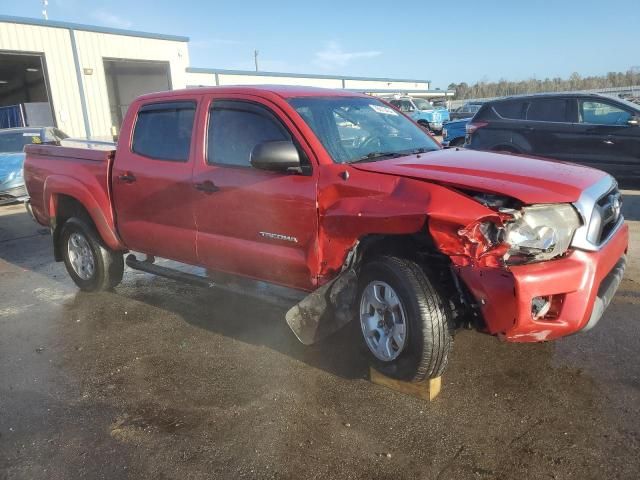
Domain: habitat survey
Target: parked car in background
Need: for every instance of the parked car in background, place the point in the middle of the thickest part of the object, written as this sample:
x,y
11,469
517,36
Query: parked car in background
x,y
467,110
453,132
422,111
594,130
440,103
12,143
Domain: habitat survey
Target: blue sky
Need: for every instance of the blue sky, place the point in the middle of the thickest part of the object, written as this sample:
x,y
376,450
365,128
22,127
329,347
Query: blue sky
x,y
440,41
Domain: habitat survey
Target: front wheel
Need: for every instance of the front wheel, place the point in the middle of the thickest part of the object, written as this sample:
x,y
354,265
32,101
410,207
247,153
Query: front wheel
x,y
90,264
405,322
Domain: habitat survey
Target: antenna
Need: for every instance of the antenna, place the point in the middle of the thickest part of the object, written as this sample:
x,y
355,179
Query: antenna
x,y
45,4
255,58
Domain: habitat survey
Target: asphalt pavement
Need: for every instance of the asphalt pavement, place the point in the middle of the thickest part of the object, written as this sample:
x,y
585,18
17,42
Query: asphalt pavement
x,y
160,380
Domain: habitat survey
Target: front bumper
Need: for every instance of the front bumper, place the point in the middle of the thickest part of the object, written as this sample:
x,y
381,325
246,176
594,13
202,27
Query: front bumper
x,y
12,195
582,284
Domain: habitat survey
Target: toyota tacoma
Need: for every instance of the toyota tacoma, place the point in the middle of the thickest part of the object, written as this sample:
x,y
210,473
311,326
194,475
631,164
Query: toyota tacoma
x,y
346,201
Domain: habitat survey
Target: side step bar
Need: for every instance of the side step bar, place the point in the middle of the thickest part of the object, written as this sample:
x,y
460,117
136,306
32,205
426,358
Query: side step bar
x,y
171,273
273,294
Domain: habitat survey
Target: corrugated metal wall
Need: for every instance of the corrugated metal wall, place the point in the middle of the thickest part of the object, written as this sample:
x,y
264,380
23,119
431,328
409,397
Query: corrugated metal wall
x,y
93,47
209,79
55,44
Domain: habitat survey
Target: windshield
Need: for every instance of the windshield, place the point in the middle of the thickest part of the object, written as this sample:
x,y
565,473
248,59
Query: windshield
x,y
13,142
358,129
422,104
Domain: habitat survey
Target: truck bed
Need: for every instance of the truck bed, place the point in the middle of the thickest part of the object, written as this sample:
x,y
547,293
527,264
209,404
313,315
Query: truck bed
x,y
82,172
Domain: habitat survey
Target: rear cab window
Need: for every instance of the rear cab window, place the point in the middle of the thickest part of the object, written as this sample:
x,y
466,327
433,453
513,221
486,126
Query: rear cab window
x,y
163,130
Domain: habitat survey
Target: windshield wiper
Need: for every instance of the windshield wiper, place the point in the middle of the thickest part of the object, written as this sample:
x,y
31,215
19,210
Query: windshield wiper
x,y
369,157
419,150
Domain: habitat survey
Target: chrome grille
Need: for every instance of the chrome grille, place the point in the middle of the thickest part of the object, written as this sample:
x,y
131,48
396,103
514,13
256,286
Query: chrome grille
x,y
599,206
609,209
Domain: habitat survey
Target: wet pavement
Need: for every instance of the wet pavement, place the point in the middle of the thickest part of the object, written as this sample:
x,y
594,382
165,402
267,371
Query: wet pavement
x,y
160,380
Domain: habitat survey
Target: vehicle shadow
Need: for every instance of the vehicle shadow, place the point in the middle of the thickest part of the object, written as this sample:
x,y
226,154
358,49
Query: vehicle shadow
x,y
235,316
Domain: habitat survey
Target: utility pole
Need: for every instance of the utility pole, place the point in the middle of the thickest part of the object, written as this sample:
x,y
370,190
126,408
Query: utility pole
x,y
45,3
255,58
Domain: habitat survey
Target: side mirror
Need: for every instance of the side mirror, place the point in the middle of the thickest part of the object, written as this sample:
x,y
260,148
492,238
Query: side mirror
x,y
276,156
634,121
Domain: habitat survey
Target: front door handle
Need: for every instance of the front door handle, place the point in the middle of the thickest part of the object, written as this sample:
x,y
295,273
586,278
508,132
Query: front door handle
x,y
127,177
207,187
608,141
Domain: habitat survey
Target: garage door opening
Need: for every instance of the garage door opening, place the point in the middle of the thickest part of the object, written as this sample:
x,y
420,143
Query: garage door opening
x,y
24,92
128,79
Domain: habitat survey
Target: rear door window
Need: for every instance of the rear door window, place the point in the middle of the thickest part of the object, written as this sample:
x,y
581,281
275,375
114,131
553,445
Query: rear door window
x,y
511,109
548,110
600,113
163,131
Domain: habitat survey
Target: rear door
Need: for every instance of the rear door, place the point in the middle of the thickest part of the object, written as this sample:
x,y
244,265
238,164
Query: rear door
x,y
253,222
152,188
549,125
605,139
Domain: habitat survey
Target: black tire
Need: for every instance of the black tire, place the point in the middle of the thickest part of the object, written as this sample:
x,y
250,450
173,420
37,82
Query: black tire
x,y
424,124
458,142
108,265
429,323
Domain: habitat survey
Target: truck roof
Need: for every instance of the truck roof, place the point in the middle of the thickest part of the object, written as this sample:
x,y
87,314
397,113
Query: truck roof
x,y
284,91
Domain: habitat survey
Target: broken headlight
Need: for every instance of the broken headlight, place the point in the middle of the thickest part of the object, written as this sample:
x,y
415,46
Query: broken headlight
x,y
539,232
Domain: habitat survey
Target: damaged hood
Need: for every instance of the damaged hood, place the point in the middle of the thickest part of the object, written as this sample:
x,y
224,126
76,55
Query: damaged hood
x,y
530,180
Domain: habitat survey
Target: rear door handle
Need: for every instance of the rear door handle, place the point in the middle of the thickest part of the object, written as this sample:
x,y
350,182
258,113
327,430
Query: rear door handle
x,y
608,141
207,187
127,177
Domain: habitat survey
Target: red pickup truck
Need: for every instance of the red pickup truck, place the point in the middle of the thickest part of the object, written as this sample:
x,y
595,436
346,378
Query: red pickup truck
x,y
341,197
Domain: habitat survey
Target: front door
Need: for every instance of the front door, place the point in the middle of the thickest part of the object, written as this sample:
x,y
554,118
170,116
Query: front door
x,y
253,222
152,188
605,139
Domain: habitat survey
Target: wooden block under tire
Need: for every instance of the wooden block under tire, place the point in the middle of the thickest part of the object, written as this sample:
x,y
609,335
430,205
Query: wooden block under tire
x,y
426,389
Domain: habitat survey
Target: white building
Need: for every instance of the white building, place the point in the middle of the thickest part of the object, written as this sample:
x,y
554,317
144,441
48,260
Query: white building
x,y
88,75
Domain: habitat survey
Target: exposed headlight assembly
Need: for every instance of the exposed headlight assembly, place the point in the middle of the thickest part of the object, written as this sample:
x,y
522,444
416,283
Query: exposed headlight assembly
x,y
539,232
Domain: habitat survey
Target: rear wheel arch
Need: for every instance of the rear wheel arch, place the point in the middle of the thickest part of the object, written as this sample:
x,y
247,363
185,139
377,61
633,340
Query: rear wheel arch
x,y
62,208
90,263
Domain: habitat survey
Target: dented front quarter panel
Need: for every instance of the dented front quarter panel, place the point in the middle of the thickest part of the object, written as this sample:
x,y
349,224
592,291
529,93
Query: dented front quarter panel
x,y
353,203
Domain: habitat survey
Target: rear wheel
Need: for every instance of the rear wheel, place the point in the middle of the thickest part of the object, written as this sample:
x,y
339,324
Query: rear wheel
x,y
90,264
405,322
